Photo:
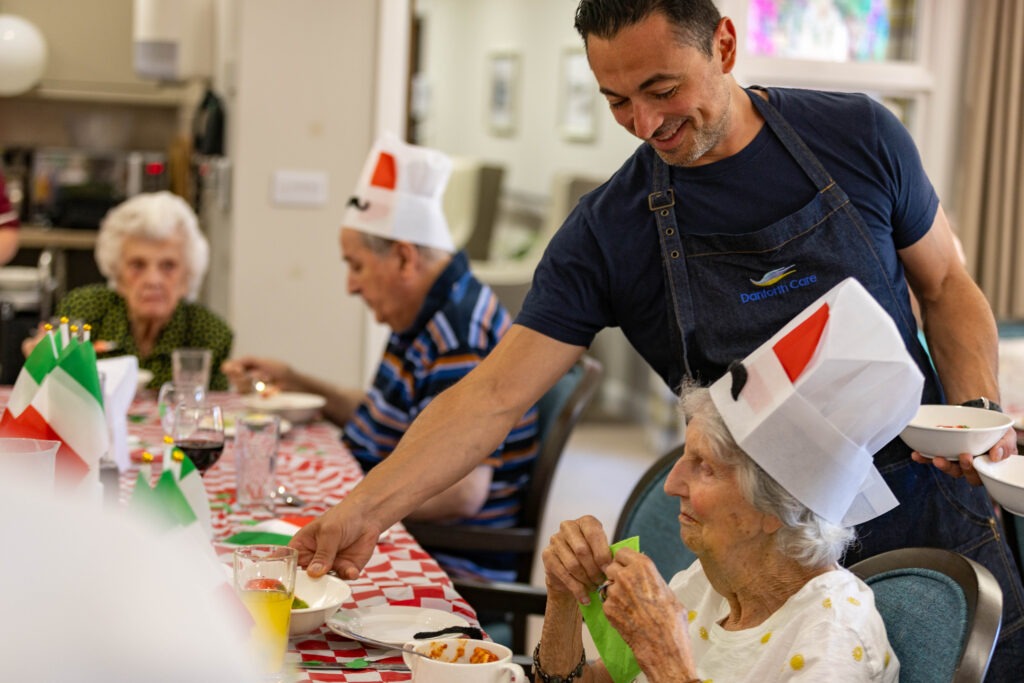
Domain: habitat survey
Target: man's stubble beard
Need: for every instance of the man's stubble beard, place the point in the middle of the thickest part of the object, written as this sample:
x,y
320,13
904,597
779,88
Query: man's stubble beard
x,y
704,140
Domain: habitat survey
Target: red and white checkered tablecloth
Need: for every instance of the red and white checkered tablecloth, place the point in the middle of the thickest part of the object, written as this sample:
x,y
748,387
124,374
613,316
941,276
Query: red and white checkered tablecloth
x,y
313,464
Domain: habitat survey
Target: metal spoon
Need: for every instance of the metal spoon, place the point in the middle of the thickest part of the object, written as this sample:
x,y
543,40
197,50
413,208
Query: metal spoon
x,y
345,633
360,664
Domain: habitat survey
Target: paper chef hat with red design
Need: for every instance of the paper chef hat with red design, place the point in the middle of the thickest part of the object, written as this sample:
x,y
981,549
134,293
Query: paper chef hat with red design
x,y
400,193
814,403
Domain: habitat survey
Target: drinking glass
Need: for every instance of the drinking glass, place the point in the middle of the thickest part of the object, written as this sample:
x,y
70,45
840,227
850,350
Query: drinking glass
x,y
173,395
255,449
199,432
29,463
264,577
191,366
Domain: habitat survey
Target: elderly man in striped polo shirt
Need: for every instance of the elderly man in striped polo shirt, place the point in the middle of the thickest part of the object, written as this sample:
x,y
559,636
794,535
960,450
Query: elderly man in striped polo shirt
x,y
444,321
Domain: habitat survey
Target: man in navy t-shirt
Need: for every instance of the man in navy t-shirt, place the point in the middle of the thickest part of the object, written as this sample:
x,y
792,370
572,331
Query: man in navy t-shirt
x,y
741,208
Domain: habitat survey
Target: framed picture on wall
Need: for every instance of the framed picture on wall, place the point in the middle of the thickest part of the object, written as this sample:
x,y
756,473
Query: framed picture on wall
x,y
578,98
502,93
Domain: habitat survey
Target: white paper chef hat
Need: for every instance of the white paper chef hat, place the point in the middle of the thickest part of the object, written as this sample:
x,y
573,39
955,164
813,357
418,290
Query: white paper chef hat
x,y
399,195
814,403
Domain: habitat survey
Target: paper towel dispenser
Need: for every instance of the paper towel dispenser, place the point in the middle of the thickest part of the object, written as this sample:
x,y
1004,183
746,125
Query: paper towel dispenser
x,y
172,40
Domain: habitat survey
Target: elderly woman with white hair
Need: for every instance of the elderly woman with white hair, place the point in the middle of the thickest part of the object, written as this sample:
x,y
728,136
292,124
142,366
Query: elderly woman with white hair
x,y
154,257
776,472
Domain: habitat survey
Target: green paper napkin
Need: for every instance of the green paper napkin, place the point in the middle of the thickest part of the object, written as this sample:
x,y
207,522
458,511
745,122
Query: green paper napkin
x,y
258,538
617,656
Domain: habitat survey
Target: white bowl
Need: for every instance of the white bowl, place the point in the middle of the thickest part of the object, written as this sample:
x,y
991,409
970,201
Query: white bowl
x,y
290,405
948,431
324,596
1004,481
144,378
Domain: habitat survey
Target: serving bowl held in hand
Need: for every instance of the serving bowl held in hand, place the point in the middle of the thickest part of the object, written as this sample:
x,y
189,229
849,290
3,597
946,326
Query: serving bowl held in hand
x,y
324,596
1004,481
292,406
947,431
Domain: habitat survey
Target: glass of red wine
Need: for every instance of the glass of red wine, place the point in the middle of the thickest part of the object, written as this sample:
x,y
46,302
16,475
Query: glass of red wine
x,y
199,432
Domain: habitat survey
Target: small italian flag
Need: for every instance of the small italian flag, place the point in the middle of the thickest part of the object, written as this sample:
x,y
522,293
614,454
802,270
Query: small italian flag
x,y
167,510
190,481
57,397
179,497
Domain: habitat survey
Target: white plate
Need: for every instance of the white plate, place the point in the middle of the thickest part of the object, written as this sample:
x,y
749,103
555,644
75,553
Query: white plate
x,y
229,425
295,406
391,624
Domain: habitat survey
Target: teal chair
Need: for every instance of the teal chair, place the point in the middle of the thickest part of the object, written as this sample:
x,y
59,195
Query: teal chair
x,y
942,612
653,515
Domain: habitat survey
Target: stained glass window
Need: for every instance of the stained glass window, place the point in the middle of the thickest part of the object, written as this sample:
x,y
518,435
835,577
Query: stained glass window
x,y
832,30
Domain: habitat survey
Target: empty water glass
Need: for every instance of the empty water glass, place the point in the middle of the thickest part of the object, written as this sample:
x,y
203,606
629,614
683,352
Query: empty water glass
x,y
191,366
255,449
173,395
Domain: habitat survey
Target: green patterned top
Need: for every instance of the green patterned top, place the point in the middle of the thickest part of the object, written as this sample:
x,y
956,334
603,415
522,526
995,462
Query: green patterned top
x,y
191,326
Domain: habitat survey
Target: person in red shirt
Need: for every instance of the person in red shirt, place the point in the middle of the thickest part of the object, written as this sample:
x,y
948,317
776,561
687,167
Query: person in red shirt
x,y
8,225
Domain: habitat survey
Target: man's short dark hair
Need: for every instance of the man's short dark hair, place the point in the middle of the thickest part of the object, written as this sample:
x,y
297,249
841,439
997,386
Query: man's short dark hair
x,y
695,21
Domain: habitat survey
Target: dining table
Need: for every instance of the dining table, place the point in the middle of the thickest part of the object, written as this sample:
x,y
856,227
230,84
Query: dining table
x,y
314,465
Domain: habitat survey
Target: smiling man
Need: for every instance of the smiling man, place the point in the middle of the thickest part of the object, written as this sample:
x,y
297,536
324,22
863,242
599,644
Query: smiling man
x,y
739,208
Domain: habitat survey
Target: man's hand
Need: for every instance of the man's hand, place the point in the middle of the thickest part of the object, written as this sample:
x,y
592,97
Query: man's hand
x,y
964,465
339,539
242,372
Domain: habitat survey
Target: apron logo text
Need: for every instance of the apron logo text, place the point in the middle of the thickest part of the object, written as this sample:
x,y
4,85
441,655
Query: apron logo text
x,y
779,289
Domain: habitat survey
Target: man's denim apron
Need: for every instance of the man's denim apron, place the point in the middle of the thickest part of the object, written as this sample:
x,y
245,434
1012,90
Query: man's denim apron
x,y
824,242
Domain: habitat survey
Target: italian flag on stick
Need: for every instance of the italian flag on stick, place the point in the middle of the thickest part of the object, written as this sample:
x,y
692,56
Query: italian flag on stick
x,y
57,397
192,488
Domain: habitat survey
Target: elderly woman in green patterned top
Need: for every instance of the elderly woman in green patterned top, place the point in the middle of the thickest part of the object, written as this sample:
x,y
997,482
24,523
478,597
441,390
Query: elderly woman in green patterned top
x,y
154,257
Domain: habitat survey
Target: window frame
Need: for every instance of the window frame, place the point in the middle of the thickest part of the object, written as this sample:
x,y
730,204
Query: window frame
x,y
931,80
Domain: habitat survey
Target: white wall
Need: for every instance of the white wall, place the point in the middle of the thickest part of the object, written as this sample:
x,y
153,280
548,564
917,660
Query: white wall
x,y
305,86
459,35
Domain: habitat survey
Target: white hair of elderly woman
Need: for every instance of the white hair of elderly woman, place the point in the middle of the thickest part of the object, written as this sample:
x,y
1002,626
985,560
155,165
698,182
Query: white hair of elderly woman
x,y
156,216
804,536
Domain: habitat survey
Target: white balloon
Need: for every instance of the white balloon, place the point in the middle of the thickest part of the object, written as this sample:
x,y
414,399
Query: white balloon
x,y
22,55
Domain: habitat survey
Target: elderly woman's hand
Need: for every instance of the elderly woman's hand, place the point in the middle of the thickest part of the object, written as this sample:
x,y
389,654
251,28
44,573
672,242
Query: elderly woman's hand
x,y
645,612
575,558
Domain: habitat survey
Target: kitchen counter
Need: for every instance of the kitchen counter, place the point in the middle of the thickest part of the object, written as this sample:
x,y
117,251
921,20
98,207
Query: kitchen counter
x,y
35,237
56,247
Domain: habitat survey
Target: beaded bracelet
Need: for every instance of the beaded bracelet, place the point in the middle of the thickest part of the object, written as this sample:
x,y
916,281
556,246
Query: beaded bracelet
x,y
549,678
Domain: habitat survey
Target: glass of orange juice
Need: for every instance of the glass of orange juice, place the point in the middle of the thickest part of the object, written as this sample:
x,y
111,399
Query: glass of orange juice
x,y
265,582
